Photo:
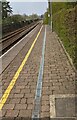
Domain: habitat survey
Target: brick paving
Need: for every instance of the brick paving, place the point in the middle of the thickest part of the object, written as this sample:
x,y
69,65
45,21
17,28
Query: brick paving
x,y
21,98
10,70
58,78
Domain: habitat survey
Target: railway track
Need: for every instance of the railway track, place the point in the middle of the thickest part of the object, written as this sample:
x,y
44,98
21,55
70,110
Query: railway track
x,y
11,39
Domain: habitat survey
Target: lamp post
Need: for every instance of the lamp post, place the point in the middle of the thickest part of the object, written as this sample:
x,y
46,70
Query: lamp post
x,y
49,14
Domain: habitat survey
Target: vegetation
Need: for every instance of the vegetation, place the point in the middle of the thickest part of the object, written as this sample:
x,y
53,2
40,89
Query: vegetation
x,y
45,19
10,21
64,23
6,9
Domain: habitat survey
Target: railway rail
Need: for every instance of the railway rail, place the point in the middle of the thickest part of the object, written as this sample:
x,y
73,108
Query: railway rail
x,y
11,39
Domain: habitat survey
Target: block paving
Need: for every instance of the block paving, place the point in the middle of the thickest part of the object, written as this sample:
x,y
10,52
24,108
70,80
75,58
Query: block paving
x,y
58,78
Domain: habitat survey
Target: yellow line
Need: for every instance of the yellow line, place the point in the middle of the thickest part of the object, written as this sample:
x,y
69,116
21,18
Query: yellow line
x,y
12,83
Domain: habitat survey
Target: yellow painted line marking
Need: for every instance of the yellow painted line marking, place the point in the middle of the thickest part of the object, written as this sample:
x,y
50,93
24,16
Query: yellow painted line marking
x,y
12,83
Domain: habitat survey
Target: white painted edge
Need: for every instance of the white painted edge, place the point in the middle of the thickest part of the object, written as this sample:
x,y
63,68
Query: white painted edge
x,y
17,43
52,106
65,117
65,95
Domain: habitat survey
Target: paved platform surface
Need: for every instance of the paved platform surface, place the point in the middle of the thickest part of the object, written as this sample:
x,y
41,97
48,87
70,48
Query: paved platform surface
x,y
57,101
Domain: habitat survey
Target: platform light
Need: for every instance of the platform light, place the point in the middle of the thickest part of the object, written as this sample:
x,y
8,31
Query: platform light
x,y
48,15
12,22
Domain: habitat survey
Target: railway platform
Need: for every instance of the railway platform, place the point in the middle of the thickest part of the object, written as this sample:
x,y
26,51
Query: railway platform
x,y
37,79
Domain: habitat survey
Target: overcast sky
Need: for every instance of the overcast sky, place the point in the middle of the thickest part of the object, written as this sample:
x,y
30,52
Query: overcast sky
x,y
29,7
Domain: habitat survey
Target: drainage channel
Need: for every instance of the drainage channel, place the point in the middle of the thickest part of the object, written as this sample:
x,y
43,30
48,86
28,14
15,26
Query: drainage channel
x,y
36,110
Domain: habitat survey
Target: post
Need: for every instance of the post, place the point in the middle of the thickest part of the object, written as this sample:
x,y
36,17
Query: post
x,y
49,13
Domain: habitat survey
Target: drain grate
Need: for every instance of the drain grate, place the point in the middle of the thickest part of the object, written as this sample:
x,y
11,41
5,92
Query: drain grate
x,y
63,106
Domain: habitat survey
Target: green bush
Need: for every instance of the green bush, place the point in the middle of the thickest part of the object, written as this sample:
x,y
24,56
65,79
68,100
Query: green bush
x,y
64,22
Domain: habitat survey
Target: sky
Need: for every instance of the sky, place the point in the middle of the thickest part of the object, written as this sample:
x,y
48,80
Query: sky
x,y
29,7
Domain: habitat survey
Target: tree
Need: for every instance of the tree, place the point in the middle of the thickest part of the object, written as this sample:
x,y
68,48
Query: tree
x,y
33,16
16,18
45,18
6,9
